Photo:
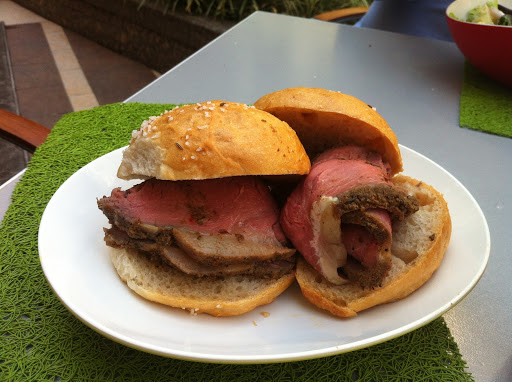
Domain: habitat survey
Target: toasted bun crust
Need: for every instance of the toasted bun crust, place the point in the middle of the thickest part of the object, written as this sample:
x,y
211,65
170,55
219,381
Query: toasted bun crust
x,y
325,119
419,244
213,139
228,296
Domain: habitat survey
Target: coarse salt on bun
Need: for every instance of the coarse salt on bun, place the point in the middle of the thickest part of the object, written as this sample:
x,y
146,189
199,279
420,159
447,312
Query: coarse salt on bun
x,y
213,139
418,246
323,119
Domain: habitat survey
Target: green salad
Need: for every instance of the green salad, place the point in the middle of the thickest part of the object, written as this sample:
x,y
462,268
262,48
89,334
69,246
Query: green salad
x,y
488,14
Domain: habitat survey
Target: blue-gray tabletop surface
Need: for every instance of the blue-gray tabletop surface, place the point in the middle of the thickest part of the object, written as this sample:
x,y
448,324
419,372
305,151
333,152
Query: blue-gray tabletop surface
x,y
415,85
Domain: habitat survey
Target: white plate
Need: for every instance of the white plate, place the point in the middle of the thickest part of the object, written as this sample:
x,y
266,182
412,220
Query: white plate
x,y
76,263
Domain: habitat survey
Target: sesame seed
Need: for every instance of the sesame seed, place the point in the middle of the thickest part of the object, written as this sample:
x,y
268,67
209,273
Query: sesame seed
x,y
187,144
192,157
170,118
189,129
222,109
207,114
199,149
202,127
219,306
184,159
208,103
181,111
187,136
152,118
198,104
212,108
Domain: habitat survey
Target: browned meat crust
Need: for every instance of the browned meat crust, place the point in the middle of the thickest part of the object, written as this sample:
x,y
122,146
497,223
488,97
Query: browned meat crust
x,y
136,229
367,277
174,256
369,222
352,207
225,248
384,196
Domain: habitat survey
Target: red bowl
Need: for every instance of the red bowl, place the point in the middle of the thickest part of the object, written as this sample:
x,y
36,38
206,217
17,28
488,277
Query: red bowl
x,y
487,47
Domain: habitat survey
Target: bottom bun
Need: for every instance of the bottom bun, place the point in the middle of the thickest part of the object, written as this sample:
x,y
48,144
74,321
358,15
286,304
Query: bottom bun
x,y
228,296
418,246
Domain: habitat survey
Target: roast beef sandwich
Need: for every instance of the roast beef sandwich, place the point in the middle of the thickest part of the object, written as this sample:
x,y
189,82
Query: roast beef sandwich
x,y
367,235
201,232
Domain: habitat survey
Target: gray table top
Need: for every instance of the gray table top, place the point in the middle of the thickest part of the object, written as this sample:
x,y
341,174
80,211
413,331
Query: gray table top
x,y
415,84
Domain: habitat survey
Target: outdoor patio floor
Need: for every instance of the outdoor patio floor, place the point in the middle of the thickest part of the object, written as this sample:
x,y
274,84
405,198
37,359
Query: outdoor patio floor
x,y
47,71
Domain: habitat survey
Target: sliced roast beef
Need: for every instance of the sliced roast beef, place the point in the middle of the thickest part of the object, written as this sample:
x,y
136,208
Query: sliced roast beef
x,y
376,223
342,212
237,205
264,269
177,258
384,195
367,239
230,224
225,248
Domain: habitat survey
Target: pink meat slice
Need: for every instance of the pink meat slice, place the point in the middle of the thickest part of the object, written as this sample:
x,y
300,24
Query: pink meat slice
x,y
361,244
335,173
237,205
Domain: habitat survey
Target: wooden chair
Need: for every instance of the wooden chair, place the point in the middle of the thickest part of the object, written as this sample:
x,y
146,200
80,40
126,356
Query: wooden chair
x,y
346,15
21,131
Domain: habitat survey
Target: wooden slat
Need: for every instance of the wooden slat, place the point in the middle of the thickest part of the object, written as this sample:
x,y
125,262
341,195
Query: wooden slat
x,y
342,13
21,131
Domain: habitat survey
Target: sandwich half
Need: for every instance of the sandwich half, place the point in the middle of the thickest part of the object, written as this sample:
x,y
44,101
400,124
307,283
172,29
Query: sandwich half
x,y
201,232
366,234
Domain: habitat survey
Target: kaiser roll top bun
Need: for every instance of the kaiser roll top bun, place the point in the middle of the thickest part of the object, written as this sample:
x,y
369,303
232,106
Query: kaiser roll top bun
x,y
213,139
323,119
